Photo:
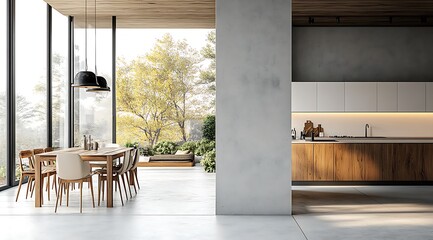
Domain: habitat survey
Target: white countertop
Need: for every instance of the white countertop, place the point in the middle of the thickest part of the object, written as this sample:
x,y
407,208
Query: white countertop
x,y
370,140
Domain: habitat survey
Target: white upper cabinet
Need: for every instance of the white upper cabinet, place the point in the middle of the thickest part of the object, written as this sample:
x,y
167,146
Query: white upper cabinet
x,y
330,96
304,96
411,96
429,97
360,96
387,96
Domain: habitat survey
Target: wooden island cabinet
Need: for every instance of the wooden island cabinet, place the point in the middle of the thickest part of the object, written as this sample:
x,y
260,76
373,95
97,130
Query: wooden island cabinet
x,y
362,162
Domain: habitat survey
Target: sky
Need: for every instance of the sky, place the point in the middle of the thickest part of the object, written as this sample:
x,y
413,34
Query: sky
x,y
134,42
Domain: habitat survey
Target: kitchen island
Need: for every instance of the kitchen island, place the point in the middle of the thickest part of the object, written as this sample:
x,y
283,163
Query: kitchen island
x,y
363,160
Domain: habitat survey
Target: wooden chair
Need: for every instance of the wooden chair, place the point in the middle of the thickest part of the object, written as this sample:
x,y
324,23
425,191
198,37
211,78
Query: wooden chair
x,y
50,169
133,171
71,169
128,168
53,164
27,170
102,177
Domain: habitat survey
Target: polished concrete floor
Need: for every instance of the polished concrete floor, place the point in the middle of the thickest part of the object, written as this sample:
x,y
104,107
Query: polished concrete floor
x,y
179,203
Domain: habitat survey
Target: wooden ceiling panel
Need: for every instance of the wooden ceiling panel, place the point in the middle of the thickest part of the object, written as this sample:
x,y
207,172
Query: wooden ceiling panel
x,y
143,13
201,13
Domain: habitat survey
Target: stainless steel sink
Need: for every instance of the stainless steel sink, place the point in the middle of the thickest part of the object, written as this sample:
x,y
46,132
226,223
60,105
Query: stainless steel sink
x,y
324,140
318,139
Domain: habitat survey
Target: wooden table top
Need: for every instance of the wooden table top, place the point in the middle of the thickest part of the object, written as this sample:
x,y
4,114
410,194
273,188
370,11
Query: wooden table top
x,y
88,154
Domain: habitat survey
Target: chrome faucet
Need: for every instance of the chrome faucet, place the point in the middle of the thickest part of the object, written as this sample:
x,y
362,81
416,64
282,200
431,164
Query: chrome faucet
x,y
365,128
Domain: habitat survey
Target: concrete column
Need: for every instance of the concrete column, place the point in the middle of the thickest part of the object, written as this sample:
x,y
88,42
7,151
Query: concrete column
x,y
253,107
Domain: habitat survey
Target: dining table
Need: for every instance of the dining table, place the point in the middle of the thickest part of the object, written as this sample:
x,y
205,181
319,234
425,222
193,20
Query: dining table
x,y
103,155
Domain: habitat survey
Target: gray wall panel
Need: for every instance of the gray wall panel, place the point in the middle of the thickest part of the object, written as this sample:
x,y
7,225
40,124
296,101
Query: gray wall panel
x,y
363,54
253,107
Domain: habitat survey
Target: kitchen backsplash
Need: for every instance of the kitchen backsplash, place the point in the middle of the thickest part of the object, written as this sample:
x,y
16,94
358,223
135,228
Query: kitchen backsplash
x,y
381,124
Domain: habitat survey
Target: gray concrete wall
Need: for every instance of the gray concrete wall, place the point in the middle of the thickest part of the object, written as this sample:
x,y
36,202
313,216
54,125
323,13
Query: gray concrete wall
x,y
363,54
253,109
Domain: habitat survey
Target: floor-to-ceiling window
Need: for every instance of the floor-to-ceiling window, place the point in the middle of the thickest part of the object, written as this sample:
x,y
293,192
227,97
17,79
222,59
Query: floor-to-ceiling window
x,y
3,141
93,111
31,74
165,82
59,71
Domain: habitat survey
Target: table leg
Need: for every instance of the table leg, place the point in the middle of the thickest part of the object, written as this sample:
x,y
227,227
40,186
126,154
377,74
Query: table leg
x,y
38,180
109,181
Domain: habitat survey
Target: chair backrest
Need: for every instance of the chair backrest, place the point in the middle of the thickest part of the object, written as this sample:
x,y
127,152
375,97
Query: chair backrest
x,y
48,149
125,164
38,150
70,166
26,154
134,154
136,160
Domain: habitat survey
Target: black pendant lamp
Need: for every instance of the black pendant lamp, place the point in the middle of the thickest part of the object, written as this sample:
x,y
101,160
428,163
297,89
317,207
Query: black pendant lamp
x,y
102,82
102,86
86,79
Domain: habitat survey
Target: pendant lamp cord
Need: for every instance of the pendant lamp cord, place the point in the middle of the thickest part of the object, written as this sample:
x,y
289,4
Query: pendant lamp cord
x,y
85,34
96,71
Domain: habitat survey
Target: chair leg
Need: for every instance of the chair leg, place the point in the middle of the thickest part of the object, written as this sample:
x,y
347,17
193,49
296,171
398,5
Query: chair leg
x,y
128,183
19,187
120,191
67,195
81,196
99,190
131,175
42,195
124,186
59,193
91,191
48,186
103,189
136,178
29,185
55,182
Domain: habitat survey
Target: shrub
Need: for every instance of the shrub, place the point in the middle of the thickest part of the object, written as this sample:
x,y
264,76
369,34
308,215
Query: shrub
x,y
209,128
204,146
131,144
208,161
165,147
191,146
146,151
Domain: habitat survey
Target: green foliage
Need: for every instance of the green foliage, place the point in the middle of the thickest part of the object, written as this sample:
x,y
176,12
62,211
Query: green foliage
x,y
131,144
191,146
204,146
208,161
165,147
208,76
209,128
146,151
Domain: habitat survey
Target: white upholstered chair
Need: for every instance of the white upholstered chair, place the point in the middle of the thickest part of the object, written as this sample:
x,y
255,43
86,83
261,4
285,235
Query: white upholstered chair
x,y
71,169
